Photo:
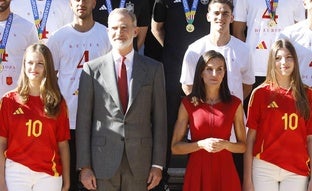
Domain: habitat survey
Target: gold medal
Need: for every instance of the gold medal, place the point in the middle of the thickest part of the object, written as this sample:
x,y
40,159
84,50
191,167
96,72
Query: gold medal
x,y
190,28
271,23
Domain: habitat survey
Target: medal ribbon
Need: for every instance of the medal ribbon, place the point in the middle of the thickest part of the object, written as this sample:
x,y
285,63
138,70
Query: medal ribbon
x,y
5,35
271,5
190,14
40,24
110,7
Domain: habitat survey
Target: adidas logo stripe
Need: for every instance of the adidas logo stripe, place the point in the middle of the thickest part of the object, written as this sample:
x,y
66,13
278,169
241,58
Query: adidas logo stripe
x,y
19,111
273,104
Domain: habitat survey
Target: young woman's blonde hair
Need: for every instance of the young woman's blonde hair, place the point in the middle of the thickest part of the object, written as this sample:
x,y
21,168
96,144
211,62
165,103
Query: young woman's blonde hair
x,y
49,90
299,90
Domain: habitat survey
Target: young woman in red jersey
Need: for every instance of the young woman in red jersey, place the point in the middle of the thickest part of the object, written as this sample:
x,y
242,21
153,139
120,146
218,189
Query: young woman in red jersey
x,y
279,141
210,111
34,128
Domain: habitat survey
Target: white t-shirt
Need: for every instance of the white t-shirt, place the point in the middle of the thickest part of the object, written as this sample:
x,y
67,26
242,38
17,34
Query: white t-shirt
x,y
22,34
236,54
59,15
71,49
301,37
259,35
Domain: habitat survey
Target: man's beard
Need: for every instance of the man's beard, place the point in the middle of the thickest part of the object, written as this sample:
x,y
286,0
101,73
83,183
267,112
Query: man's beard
x,y
122,45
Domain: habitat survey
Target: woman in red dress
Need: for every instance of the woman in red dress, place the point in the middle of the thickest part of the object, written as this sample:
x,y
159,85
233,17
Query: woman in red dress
x,y
210,111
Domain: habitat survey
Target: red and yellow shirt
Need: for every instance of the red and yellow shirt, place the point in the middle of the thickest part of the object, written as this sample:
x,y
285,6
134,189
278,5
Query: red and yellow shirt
x,y
281,137
32,136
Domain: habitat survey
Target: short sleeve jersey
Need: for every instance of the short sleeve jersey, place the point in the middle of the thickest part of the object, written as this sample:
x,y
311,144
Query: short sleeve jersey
x,y
281,132
300,36
22,34
260,35
33,137
70,50
238,65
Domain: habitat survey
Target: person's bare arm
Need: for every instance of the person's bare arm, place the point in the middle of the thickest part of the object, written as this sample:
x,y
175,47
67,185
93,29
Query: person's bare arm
x,y
158,31
64,153
178,145
187,89
141,36
238,30
248,158
240,131
3,147
246,90
309,143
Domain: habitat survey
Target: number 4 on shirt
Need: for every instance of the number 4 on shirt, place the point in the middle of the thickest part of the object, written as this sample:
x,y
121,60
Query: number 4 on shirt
x,y
266,15
83,59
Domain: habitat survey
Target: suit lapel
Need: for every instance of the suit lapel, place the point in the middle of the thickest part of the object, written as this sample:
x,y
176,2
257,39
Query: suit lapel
x,y
109,75
138,77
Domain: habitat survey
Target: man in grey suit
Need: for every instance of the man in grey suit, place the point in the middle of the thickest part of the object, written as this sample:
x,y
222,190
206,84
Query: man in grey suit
x,y
121,146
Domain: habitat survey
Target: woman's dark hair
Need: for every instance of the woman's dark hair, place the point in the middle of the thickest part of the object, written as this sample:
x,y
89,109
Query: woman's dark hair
x,y
198,89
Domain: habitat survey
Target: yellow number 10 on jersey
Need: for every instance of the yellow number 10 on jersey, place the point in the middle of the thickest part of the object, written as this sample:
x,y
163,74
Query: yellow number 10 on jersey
x,y
34,128
290,121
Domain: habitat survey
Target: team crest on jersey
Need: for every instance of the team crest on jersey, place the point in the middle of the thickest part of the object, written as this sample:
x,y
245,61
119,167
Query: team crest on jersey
x,y
130,6
9,80
204,2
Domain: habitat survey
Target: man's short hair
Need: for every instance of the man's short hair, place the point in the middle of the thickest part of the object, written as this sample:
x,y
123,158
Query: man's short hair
x,y
123,11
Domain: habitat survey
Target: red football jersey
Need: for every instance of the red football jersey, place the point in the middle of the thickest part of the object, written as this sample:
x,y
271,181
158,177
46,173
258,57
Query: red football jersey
x,y
282,132
32,136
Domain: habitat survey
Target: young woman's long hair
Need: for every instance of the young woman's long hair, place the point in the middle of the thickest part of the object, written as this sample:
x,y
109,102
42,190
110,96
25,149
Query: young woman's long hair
x,y
298,88
49,90
198,89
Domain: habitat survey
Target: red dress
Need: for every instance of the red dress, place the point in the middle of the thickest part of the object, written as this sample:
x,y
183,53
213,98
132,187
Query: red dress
x,y
211,171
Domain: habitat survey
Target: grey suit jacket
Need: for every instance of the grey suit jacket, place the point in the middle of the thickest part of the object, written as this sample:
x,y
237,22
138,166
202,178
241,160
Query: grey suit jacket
x,y
103,132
